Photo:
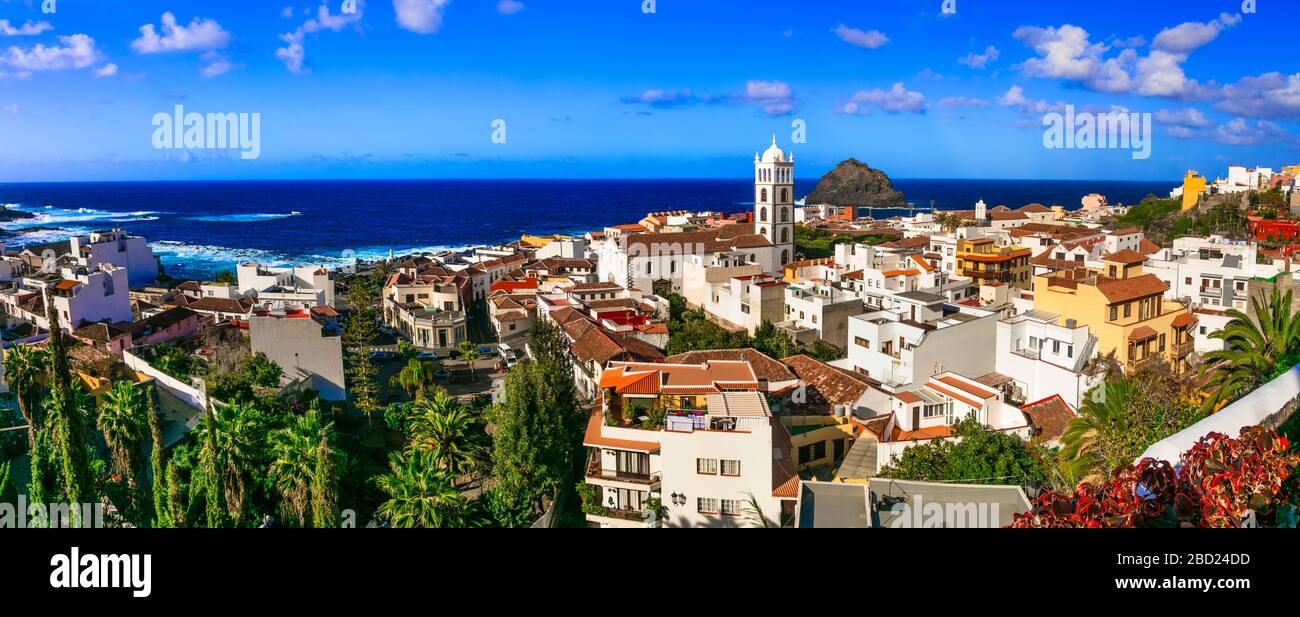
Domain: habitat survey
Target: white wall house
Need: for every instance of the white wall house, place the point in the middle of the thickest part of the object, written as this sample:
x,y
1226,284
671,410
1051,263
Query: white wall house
x,y
1043,357
81,295
303,347
921,336
120,249
822,311
747,301
299,286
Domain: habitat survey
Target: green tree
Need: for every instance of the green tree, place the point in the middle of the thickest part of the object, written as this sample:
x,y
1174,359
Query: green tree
x,y
296,467
157,466
123,423
469,353
442,426
979,456
67,408
25,371
1116,424
414,378
773,342
358,335
261,371
533,444
420,493
1256,346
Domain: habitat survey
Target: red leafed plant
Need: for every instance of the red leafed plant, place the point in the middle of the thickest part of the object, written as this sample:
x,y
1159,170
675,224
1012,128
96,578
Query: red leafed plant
x,y
1221,482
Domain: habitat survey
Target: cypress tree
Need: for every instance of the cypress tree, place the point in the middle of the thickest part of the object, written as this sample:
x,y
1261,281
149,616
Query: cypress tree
x,y
324,488
158,469
78,484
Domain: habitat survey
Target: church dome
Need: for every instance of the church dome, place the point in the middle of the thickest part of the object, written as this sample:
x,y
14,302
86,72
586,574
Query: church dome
x,y
773,154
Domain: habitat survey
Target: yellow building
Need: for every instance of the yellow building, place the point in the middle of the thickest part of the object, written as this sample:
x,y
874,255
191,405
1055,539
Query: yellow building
x,y
1291,170
1193,186
1124,308
979,259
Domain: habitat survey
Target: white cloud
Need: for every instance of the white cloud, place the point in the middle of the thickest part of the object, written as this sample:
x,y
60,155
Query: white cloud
x,y
76,51
286,12
1015,97
667,99
979,61
775,98
1066,53
963,101
11,109
1189,117
1268,95
30,28
509,7
108,70
1190,36
872,39
293,54
1239,132
896,99
215,64
199,35
422,16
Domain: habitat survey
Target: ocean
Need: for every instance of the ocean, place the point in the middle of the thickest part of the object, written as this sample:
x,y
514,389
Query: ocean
x,y
199,228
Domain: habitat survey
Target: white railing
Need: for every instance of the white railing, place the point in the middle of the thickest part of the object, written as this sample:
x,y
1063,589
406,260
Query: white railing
x,y
1258,407
192,396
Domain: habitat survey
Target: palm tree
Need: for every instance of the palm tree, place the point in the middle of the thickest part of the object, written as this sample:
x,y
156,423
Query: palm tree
x,y
296,451
420,494
444,428
123,424
25,369
1253,346
469,351
413,378
232,436
1081,456
406,351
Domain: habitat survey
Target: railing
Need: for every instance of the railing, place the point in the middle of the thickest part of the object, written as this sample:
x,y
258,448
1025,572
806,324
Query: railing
x,y
623,476
1184,348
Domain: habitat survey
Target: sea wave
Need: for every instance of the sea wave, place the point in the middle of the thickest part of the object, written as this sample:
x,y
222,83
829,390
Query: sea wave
x,y
244,218
50,216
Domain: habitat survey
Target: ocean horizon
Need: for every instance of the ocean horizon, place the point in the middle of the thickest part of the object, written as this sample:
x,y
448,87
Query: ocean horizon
x,y
201,227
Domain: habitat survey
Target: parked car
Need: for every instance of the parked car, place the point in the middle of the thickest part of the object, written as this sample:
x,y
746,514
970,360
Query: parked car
x,y
383,355
486,351
426,356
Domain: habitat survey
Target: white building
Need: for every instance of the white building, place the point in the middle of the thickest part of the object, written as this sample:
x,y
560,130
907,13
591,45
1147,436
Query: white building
x,y
1214,273
298,287
774,201
307,350
81,295
1042,357
120,249
715,453
820,311
919,337
747,301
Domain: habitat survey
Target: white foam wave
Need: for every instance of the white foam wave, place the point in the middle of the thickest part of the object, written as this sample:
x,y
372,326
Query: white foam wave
x,y
245,218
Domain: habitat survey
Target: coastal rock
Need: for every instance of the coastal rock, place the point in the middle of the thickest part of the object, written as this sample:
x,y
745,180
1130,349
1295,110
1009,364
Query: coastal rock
x,y
854,183
10,214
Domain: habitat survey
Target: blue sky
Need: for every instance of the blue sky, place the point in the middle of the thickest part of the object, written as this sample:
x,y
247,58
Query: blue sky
x,y
600,88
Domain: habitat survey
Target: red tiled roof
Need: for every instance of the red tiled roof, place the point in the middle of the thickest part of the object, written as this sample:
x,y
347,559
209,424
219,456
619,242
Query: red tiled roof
x,y
1049,416
1126,257
1141,333
1121,290
1184,319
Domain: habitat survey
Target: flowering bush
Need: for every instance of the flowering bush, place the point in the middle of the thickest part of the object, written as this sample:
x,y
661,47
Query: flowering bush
x,y
1220,482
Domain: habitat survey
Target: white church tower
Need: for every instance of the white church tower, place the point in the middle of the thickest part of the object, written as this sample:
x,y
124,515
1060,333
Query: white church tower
x,y
774,201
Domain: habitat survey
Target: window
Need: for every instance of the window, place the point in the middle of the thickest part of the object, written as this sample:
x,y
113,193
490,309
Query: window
x,y
1187,280
935,410
1162,342
762,214
864,343
706,505
1069,351
731,507
1056,347
1114,313
1202,329
1128,309
708,466
812,452
762,198
730,468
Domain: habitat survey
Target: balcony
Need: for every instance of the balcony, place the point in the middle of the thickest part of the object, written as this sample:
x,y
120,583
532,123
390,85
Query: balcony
x,y
1184,348
595,472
